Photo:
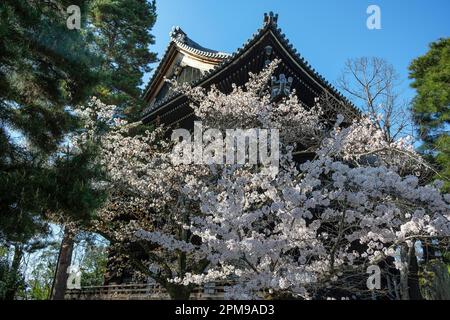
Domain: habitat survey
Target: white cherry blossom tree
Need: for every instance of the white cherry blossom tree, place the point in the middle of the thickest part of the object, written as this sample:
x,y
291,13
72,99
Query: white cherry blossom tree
x,y
299,231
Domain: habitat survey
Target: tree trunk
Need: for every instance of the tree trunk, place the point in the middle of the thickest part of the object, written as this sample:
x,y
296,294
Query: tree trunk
x,y
409,274
64,261
404,272
413,277
14,273
178,292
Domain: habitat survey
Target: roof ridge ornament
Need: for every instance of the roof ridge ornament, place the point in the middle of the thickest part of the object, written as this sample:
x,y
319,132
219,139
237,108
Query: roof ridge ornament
x,y
270,18
280,87
177,34
268,51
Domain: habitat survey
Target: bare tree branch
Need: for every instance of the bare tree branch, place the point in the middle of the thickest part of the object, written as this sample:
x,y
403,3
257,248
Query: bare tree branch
x,y
373,84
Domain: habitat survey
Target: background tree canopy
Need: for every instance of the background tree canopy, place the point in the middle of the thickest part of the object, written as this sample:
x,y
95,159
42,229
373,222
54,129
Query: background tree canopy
x,y
431,106
45,68
123,38
45,71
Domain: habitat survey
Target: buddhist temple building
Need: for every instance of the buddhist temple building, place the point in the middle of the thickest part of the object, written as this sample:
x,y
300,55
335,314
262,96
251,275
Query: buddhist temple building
x,y
186,61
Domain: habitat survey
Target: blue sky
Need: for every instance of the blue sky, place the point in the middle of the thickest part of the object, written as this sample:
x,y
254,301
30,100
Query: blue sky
x,y
325,32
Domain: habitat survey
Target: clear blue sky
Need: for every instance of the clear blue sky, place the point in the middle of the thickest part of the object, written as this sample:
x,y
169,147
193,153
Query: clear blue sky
x,y
325,32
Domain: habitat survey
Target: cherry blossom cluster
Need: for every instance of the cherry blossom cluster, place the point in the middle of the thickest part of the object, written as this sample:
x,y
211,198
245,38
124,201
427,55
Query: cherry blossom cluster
x,y
251,106
294,232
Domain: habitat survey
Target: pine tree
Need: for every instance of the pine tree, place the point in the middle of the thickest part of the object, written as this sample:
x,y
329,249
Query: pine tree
x,y
121,29
122,36
431,106
44,68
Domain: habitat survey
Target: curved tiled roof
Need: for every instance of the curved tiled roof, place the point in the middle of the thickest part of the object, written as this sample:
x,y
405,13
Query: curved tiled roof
x,y
183,41
179,38
270,24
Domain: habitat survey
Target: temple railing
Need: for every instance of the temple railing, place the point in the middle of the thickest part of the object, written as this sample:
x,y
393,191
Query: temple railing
x,y
141,292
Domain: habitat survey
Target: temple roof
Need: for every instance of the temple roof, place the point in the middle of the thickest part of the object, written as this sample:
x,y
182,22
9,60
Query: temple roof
x,y
181,45
180,38
267,43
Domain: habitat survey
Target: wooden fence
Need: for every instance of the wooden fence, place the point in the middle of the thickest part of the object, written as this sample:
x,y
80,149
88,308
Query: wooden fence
x,y
141,292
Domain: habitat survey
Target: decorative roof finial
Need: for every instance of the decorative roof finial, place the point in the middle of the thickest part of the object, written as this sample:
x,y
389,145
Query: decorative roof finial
x,y
178,34
270,18
281,87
